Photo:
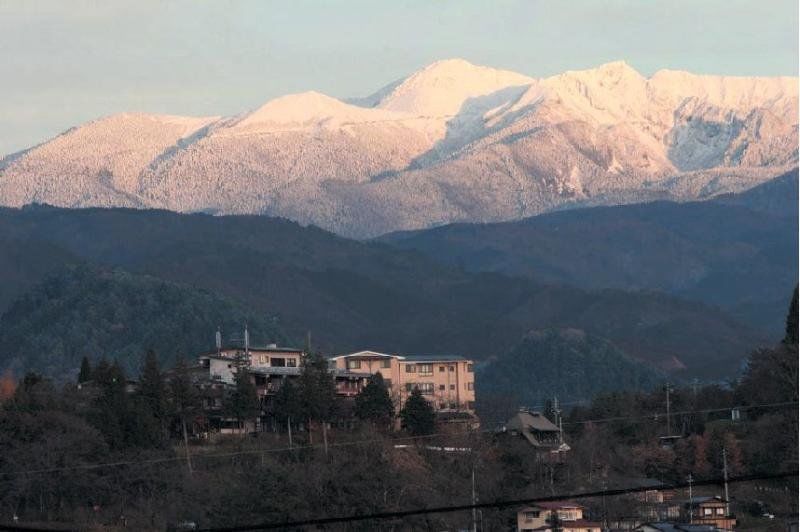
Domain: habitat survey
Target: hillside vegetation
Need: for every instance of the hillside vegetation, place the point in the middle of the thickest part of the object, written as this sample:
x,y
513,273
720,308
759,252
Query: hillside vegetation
x,y
353,295
83,311
738,252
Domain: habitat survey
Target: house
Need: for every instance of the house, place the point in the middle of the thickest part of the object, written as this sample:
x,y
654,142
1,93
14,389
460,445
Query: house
x,y
447,382
712,510
675,527
564,516
268,368
656,503
539,432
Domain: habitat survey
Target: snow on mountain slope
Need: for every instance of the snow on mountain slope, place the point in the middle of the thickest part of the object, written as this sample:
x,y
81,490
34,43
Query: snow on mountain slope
x,y
451,142
98,163
442,88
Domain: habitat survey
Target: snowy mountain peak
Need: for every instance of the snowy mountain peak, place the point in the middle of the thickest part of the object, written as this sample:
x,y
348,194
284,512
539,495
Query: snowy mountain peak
x,y
442,88
309,108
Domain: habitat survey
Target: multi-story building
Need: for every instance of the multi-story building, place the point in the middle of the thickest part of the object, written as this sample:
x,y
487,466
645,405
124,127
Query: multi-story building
x,y
551,516
447,382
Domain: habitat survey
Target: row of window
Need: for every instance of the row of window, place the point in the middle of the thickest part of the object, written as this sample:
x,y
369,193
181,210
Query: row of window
x,y
425,369
427,387
278,362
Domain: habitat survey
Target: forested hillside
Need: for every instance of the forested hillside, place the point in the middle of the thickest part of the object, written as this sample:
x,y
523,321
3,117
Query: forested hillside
x,y
355,295
738,252
567,363
83,311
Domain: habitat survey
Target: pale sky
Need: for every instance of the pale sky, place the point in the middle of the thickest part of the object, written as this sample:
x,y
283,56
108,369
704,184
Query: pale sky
x,y
66,62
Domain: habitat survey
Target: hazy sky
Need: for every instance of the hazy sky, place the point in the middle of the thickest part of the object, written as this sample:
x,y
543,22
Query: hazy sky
x,y
66,62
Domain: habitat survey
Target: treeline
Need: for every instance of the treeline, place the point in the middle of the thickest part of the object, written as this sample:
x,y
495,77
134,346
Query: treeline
x,y
57,445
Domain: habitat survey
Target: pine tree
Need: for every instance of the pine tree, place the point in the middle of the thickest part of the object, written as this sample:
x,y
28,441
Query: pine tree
x,y
183,399
417,415
85,374
152,390
286,405
373,403
792,322
317,389
242,403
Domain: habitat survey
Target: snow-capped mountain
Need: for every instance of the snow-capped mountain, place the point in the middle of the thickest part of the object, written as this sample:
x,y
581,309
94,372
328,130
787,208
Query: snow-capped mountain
x,y
452,142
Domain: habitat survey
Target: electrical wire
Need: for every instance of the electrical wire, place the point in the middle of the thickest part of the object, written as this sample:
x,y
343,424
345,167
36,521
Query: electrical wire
x,y
502,503
84,467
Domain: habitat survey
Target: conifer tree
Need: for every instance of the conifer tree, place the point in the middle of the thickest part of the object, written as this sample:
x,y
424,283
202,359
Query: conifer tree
x,y
373,403
792,322
417,415
317,390
86,371
152,390
242,403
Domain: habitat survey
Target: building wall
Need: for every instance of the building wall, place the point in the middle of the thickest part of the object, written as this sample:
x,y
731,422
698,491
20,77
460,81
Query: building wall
x,y
450,385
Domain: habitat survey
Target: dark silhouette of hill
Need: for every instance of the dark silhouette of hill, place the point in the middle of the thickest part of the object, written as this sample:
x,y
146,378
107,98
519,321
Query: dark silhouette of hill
x,y
738,252
355,295
83,311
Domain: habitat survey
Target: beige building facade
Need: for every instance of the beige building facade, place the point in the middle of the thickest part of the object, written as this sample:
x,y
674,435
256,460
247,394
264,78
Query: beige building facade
x,y
447,382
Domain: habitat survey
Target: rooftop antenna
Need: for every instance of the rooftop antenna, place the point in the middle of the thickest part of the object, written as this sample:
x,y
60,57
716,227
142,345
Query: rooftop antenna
x,y
725,476
557,412
669,425
218,339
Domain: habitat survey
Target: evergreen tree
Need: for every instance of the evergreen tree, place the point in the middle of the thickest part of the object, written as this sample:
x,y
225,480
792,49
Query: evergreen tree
x,y
792,322
417,415
286,405
242,403
86,371
317,389
373,403
152,390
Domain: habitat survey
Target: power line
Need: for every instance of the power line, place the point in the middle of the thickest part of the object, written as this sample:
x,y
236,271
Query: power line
x,y
84,467
495,504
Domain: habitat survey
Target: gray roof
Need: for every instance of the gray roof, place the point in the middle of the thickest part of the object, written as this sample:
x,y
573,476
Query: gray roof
x,y
269,370
433,358
531,420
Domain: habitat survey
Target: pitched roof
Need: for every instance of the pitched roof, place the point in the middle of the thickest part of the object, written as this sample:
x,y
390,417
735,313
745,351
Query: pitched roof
x,y
433,358
523,421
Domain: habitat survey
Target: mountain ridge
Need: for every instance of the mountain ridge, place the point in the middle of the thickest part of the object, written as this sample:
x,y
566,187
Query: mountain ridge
x,y
451,142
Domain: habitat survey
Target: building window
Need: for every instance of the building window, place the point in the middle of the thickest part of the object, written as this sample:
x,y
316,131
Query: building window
x,y
470,369
470,386
411,368
425,388
278,362
426,369
452,368
720,511
291,362
706,511
452,386
353,364
441,369
441,386
262,359
386,363
530,516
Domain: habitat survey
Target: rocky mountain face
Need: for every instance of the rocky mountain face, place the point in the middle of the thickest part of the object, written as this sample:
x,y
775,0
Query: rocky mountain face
x,y
452,142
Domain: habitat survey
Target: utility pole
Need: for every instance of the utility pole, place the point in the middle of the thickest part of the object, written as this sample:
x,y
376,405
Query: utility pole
x,y
474,502
289,427
669,425
691,514
725,476
557,412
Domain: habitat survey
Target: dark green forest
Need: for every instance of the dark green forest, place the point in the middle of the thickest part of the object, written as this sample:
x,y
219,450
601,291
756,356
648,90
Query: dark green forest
x,y
353,294
110,458
738,252
83,311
